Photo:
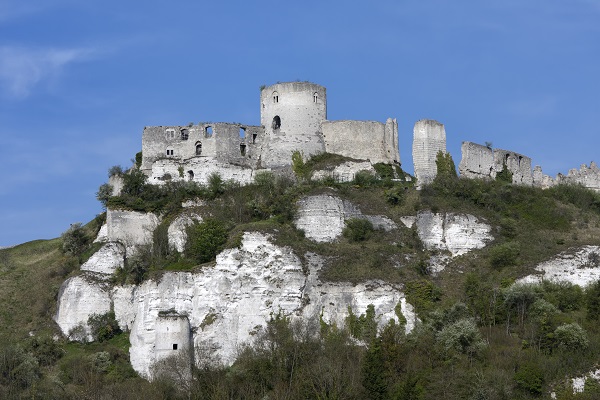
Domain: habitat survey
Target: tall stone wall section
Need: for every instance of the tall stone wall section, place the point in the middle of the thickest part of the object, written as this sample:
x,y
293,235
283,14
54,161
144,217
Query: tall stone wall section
x,y
363,140
429,138
222,142
291,114
484,162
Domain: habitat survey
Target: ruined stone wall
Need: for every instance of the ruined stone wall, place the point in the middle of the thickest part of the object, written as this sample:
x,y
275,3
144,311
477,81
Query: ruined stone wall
x,y
292,113
518,164
429,139
477,161
363,140
484,162
224,142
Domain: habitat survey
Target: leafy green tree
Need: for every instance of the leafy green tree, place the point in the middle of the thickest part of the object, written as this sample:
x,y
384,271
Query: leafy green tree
x,y
104,193
358,229
446,169
103,326
571,337
592,297
74,239
206,239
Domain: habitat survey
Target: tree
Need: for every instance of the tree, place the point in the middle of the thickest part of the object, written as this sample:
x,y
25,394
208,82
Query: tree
x,y
446,169
206,239
104,193
74,239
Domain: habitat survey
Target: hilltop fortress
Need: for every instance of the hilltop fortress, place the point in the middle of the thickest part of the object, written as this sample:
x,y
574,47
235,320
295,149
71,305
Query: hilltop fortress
x,y
293,118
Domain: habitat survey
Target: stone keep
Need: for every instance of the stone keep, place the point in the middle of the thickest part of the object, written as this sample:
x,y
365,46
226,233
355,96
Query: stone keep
x,y
429,139
291,114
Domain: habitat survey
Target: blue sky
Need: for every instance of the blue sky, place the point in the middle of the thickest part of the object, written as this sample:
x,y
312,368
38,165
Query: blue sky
x,y
80,79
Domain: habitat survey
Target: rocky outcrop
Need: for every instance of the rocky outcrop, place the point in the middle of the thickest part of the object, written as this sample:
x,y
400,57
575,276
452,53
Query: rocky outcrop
x,y
579,266
177,231
80,297
106,260
344,172
322,217
456,233
226,305
131,228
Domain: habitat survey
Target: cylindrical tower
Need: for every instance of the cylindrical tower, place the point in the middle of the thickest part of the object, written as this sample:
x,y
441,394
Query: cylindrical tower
x,y
291,113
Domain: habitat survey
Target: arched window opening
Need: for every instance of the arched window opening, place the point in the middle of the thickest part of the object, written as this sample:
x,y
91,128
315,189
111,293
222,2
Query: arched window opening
x,y
242,132
243,149
315,97
275,97
520,159
185,134
276,122
198,148
208,131
190,175
170,151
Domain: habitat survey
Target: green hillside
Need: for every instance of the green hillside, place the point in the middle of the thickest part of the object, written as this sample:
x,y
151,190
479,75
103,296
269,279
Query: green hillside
x,y
481,337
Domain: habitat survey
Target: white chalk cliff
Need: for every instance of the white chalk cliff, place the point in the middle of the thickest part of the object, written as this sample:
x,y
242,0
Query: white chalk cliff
x,y
226,304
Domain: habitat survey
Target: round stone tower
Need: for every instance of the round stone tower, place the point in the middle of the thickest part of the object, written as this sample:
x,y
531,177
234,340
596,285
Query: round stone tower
x,y
291,113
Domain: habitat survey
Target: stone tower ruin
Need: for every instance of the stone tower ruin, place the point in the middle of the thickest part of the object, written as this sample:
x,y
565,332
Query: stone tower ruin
x,y
429,138
292,113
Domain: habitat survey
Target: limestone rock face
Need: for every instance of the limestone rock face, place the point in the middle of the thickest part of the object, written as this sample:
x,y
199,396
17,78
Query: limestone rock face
x,y
226,304
102,234
78,298
177,230
457,233
344,172
579,266
131,228
322,217
106,260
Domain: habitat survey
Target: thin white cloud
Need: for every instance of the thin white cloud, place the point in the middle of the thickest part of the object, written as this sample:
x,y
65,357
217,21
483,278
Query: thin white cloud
x,y
22,69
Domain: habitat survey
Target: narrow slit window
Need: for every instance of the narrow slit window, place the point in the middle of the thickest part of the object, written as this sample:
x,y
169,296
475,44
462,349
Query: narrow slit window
x,y
243,150
254,135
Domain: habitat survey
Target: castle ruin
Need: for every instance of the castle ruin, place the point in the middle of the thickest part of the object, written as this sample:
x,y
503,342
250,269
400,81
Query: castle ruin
x,y
293,118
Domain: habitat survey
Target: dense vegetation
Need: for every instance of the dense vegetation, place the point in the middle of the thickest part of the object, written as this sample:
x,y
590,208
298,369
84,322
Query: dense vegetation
x,y
481,336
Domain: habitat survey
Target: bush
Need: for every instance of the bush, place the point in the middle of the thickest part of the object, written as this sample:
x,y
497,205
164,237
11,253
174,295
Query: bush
x,y
571,337
74,239
504,255
216,186
592,299
206,239
103,326
530,377
104,193
365,179
462,336
358,229
115,170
